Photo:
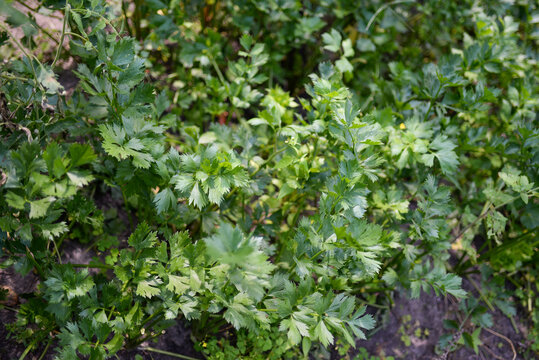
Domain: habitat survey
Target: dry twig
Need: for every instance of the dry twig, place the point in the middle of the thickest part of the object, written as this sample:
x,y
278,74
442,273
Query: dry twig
x,y
506,339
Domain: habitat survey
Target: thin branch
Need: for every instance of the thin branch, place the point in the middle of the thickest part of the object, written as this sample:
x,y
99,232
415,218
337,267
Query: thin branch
x,y
504,338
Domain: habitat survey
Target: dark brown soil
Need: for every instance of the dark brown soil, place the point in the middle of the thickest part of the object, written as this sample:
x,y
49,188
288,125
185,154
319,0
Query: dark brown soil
x,y
9,348
407,315
412,328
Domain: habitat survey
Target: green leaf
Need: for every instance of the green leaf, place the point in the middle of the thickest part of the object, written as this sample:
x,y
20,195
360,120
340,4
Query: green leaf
x,y
51,231
178,284
451,283
124,52
15,200
343,65
132,75
148,288
208,176
116,144
332,40
473,340
296,329
142,238
71,338
164,200
197,198
496,223
322,333
38,208
76,17
365,45
444,153
230,246
53,158
246,41
81,154
47,78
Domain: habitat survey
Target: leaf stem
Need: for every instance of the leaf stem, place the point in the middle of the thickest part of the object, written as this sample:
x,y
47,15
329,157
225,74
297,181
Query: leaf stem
x,y
481,295
270,158
92,266
267,310
432,101
61,44
163,352
82,38
46,349
219,73
107,21
27,350
32,259
126,208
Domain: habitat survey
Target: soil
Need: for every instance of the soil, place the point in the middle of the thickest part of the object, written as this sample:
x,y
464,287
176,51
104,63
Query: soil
x,y
412,328
18,286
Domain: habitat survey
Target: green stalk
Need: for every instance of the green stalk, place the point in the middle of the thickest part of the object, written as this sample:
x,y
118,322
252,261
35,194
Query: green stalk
x,y
126,207
179,356
46,349
315,152
57,252
378,306
27,350
157,313
432,101
32,259
61,44
8,308
139,340
124,10
82,38
92,266
267,161
481,295
12,77
219,73
137,18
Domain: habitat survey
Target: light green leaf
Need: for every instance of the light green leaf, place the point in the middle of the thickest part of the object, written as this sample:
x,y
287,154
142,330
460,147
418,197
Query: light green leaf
x,y
164,200
323,334
148,289
38,208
